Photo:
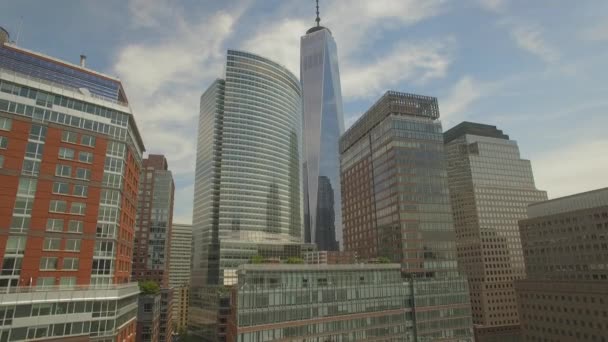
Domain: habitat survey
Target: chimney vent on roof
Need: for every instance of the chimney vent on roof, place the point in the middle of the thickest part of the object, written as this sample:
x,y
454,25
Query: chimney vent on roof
x,y
83,61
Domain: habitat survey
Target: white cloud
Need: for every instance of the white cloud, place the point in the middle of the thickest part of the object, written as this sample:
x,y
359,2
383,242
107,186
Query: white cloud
x,y
596,33
406,62
492,5
280,43
165,77
530,38
572,169
460,97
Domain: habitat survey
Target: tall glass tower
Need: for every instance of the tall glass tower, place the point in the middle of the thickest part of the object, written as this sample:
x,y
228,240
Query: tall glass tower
x,y
323,123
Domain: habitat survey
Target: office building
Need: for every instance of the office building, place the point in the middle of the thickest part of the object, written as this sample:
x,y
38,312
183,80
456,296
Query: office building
x,y
396,205
70,158
248,137
490,189
179,272
330,257
565,244
322,124
321,303
148,317
153,234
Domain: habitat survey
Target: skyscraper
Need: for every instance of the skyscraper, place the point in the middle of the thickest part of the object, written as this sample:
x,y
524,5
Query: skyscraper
x,y
247,182
490,189
396,205
323,123
70,157
179,272
565,244
153,234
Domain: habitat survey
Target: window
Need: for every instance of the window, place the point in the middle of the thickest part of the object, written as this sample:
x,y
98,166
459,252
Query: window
x,y
48,263
78,208
75,227
72,245
60,188
37,132
114,165
58,206
20,223
23,206
30,167
83,173
87,140
68,281
116,149
1,162
45,281
63,171
15,245
3,142
80,190
54,225
85,157
34,150
66,153
6,124
148,307
70,264
69,137
51,244
11,265
27,187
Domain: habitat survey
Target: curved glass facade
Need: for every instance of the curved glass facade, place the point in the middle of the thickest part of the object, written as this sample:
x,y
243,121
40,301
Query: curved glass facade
x,y
323,123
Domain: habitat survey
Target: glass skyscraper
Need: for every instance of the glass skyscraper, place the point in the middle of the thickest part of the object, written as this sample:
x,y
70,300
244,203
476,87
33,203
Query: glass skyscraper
x,y
247,182
323,123
490,188
397,205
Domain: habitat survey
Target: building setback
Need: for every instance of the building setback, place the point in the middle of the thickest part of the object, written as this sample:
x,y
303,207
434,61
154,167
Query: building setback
x,y
247,182
395,204
70,158
490,189
152,243
322,124
321,303
565,243
180,261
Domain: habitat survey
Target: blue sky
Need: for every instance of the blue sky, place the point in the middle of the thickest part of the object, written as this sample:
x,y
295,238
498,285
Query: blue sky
x,y
536,69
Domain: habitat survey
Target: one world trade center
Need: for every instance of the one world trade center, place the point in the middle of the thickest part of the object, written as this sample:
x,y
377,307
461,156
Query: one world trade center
x,y
323,123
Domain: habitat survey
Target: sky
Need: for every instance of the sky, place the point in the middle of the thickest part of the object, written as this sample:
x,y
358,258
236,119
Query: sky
x,y
535,69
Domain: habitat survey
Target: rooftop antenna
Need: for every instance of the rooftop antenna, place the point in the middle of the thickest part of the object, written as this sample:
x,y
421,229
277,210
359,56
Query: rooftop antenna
x,y
19,30
318,20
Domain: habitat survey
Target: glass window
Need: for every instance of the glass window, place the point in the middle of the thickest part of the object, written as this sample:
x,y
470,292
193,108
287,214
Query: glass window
x,y
54,225
60,188
23,205
78,208
70,137
6,124
85,157
87,140
66,153
37,132
15,245
45,281
72,245
51,244
70,264
30,167
27,187
63,170
68,281
1,162
3,142
80,190
82,173
75,226
58,206
34,150
48,263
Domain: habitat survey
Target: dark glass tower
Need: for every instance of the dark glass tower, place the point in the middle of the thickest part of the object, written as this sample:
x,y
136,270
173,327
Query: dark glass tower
x,y
323,123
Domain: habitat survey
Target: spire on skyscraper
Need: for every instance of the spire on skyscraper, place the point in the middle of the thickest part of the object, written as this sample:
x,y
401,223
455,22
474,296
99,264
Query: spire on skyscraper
x,y
318,20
